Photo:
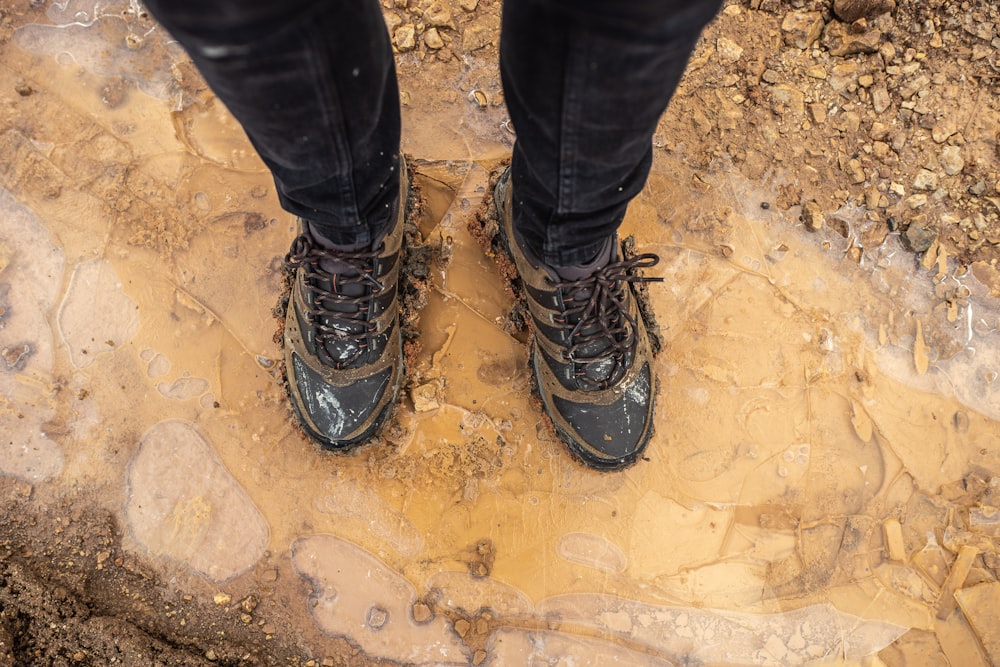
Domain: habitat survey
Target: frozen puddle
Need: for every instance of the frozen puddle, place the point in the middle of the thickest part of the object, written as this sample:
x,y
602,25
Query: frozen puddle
x,y
182,504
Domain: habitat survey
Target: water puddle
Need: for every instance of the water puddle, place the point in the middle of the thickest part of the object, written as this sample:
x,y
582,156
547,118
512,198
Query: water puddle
x,y
826,445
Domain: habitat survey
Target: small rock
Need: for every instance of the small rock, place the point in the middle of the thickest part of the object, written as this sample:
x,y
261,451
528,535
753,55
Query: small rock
x,y
941,132
421,612
925,180
840,41
787,99
919,238
801,29
424,398
951,160
211,656
866,80
269,628
476,36
438,14
728,50
913,202
468,5
852,10
433,39
770,76
462,627
478,657
816,72
377,617
221,599
880,98
818,112
812,216
404,37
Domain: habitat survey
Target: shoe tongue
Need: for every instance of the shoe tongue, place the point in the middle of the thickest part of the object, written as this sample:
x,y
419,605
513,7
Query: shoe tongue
x,y
581,271
346,285
602,369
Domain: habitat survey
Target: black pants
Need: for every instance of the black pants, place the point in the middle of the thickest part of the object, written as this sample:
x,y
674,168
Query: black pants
x,y
313,84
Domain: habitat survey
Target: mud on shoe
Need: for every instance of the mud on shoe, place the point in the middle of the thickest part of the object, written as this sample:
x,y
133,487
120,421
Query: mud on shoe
x,y
591,354
343,346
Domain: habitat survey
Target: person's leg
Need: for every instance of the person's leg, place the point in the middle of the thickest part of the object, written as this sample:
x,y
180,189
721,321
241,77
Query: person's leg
x,y
585,83
314,86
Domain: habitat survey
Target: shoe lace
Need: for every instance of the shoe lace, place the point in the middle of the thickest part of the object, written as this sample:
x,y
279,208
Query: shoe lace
x,y
337,299
596,311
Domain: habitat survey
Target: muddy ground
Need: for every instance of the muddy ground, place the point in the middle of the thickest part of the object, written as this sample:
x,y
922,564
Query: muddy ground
x,y
868,118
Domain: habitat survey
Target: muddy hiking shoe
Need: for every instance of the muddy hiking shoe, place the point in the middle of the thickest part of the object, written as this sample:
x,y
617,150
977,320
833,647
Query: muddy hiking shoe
x,y
591,354
343,347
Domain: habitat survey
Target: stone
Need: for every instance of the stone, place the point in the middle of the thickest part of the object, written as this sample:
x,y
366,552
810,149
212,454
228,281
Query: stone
x,y
880,98
405,37
770,76
433,39
801,28
468,5
951,160
728,50
925,180
438,14
476,36
919,238
812,216
787,99
840,41
850,11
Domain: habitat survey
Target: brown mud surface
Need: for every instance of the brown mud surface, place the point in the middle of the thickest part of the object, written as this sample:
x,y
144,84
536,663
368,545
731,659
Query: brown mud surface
x,y
824,484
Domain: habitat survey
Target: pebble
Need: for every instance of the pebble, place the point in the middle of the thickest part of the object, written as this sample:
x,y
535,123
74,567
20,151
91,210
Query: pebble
x,y
468,5
438,14
476,36
433,39
919,238
925,180
728,50
770,76
880,98
421,612
404,37
812,216
852,10
816,72
801,29
839,41
951,160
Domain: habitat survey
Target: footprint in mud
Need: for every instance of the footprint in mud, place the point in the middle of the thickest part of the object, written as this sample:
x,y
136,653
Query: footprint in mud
x,y
182,504
358,597
520,647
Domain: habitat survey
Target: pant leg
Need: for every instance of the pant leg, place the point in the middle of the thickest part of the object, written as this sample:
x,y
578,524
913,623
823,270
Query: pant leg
x,y
314,85
585,83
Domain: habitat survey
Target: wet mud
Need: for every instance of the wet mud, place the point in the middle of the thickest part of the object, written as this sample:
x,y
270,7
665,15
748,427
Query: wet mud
x,y
824,482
